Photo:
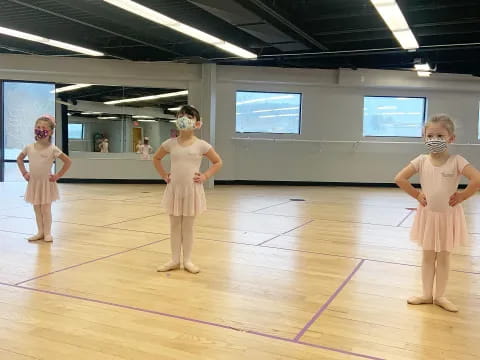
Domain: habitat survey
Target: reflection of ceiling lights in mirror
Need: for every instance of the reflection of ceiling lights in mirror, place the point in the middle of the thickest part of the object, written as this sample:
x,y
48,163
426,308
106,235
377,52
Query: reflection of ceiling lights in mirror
x,y
69,88
107,117
175,108
143,117
146,98
155,16
55,43
173,121
147,120
91,113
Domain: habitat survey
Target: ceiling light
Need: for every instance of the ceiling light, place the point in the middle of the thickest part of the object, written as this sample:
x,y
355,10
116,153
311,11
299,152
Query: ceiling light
x,y
91,113
422,67
147,120
155,16
406,39
175,108
46,41
395,20
424,73
146,98
69,88
142,117
107,117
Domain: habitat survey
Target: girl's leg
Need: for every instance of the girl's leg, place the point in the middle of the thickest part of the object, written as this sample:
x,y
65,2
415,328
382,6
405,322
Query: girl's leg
x,y
47,222
443,268
428,275
187,243
39,219
175,244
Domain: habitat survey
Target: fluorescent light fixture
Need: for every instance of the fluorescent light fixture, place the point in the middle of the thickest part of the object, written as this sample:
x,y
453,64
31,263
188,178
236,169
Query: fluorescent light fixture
x,y
147,120
46,41
107,117
146,98
175,108
279,109
424,73
422,67
143,117
395,20
69,88
173,121
265,99
155,16
91,113
406,39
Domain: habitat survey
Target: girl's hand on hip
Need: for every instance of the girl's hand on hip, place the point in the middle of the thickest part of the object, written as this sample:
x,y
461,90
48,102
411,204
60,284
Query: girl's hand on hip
x,y
456,198
422,199
199,178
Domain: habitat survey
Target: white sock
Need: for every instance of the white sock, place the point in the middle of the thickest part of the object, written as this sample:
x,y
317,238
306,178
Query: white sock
x,y
39,219
187,244
175,244
442,272
428,275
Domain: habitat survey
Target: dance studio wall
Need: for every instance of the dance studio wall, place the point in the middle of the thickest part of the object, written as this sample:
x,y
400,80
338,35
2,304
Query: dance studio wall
x,y
332,110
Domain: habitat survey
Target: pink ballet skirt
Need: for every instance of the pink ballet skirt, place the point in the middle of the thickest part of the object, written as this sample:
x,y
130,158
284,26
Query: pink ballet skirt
x,y
39,189
439,226
439,231
183,197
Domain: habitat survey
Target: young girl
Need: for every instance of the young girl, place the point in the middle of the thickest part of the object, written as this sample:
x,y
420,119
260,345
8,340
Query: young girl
x,y
439,224
146,149
184,196
42,187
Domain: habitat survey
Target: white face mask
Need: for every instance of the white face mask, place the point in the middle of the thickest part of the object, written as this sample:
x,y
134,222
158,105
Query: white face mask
x,y
185,123
436,145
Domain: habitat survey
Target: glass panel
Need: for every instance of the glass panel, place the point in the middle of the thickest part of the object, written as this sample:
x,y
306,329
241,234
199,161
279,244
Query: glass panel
x,y
263,112
100,112
23,103
393,116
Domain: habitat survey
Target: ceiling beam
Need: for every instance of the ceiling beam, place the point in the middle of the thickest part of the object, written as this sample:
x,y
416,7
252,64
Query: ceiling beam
x,y
287,23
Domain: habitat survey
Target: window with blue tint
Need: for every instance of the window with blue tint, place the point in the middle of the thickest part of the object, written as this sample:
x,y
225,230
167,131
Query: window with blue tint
x,y
266,112
393,116
75,131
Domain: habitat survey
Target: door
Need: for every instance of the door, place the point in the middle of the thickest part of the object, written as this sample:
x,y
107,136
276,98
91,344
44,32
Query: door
x,y
136,136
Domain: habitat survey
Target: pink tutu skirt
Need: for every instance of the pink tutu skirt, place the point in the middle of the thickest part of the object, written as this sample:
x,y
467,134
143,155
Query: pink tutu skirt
x,y
41,191
439,231
184,199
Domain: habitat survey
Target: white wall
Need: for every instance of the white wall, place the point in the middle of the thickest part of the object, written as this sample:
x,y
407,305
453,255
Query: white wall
x,y
332,109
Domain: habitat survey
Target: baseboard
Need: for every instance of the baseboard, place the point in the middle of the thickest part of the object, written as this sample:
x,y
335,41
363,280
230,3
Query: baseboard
x,y
239,182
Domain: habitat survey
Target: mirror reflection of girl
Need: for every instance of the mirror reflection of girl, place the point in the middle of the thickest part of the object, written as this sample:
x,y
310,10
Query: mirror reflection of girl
x,y
184,197
146,149
104,146
42,187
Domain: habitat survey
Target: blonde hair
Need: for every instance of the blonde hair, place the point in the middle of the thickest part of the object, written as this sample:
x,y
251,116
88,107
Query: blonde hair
x,y
48,119
443,119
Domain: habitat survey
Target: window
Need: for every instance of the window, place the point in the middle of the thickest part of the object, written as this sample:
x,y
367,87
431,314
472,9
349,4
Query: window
x,y
75,131
265,112
393,116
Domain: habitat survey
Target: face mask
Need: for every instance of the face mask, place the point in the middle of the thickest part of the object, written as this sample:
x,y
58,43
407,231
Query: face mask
x,y
41,134
185,123
436,146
